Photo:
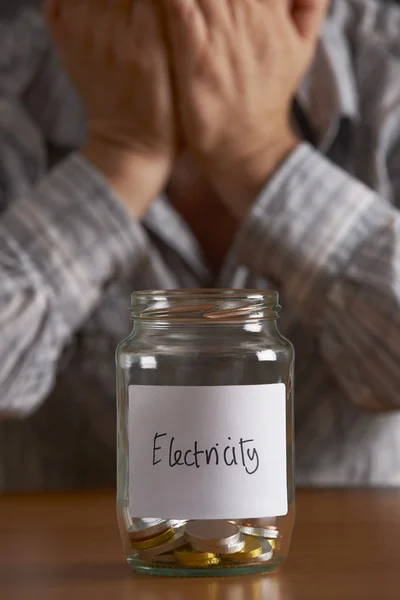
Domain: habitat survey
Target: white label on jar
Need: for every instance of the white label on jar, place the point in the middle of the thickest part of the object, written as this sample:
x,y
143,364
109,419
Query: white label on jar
x,y
212,452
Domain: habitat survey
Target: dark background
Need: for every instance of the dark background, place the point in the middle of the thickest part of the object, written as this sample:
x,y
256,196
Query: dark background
x,y
9,8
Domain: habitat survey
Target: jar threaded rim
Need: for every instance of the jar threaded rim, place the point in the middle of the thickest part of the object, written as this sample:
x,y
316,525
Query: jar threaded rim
x,y
205,305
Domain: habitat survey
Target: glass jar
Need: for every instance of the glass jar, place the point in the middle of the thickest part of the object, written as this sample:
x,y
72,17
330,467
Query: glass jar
x,y
205,434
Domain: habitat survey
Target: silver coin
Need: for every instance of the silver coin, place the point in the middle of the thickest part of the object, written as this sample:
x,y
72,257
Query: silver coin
x,y
177,522
270,534
231,549
208,535
146,528
177,541
265,523
266,554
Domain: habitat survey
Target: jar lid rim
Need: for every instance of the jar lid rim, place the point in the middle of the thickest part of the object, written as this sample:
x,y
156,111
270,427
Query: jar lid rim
x,y
205,304
211,293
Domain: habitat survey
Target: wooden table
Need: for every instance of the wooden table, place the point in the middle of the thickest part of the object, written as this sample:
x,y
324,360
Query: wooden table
x,y
346,547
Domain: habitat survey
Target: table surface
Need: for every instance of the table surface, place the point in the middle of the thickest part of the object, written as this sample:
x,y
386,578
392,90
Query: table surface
x,y
55,547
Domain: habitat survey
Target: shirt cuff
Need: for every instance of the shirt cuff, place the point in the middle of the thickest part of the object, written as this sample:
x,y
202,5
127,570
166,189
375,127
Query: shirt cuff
x,y
307,224
71,236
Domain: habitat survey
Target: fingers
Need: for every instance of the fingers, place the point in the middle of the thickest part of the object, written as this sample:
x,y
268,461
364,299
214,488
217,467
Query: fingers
x,y
145,30
186,29
308,16
215,12
183,18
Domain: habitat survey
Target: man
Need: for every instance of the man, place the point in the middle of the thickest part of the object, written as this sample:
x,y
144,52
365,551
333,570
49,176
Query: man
x,y
175,160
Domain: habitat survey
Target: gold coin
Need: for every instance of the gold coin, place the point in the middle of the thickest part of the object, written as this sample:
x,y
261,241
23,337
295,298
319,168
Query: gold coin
x,y
173,543
268,534
192,558
252,549
154,541
184,553
201,565
143,529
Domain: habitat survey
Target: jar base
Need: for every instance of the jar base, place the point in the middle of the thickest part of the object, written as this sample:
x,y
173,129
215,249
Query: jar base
x,y
222,571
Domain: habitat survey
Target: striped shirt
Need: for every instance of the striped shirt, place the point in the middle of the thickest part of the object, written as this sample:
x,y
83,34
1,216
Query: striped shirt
x,y
325,231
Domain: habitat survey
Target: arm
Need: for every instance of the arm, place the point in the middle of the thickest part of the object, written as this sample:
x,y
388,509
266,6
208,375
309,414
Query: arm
x,y
61,243
59,247
334,247
331,243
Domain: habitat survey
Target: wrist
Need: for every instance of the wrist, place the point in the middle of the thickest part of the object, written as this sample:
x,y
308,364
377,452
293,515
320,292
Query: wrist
x,y
241,183
136,177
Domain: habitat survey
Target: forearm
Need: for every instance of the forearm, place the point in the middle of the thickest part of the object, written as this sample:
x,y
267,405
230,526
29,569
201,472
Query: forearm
x,y
332,245
241,183
59,248
137,178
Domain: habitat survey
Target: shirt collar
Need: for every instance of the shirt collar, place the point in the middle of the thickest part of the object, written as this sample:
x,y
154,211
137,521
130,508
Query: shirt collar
x,y
328,93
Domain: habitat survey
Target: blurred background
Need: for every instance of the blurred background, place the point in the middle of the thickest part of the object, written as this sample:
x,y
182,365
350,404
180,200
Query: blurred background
x,y
10,7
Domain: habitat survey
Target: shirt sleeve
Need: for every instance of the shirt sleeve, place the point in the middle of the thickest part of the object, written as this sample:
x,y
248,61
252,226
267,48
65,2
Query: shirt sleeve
x,y
24,43
59,247
333,245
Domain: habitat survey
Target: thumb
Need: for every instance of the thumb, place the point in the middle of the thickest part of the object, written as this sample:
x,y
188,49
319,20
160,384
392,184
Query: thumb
x,y
308,16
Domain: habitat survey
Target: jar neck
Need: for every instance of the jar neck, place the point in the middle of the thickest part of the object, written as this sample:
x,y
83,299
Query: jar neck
x,y
208,308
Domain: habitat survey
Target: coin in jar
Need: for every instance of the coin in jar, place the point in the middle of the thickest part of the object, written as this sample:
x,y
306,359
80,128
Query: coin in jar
x,y
252,549
266,554
153,541
177,522
142,529
270,534
177,540
231,549
191,558
210,536
267,524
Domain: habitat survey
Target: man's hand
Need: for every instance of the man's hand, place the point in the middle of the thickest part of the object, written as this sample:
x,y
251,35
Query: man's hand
x,y
237,65
114,54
